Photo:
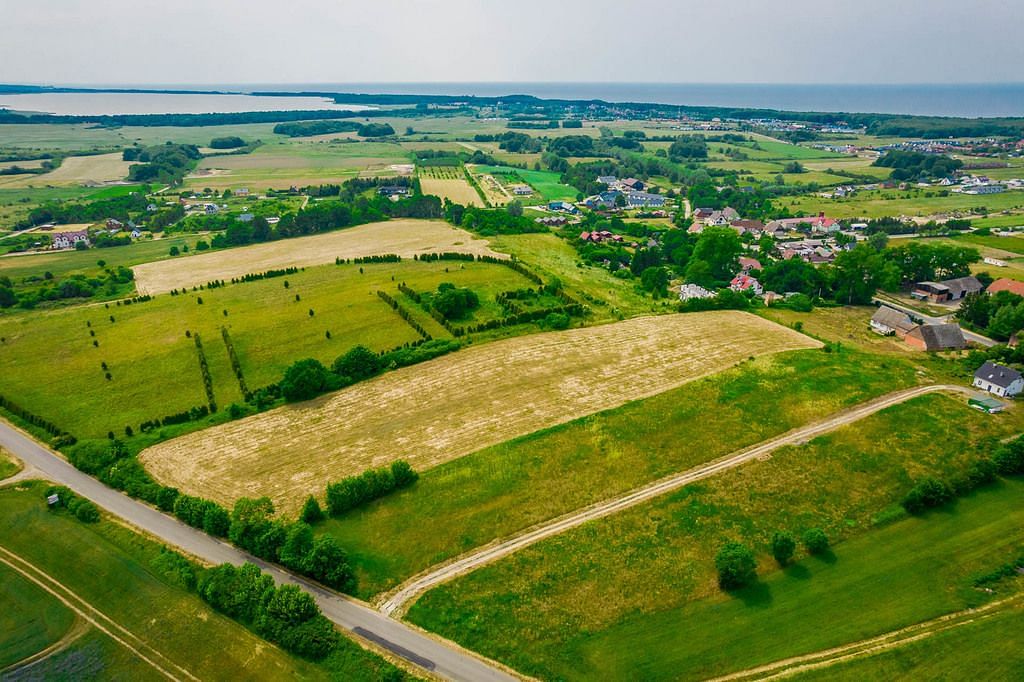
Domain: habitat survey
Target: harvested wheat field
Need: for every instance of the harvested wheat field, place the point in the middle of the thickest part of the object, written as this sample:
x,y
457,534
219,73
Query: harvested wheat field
x,y
404,237
460,403
78,170
456,189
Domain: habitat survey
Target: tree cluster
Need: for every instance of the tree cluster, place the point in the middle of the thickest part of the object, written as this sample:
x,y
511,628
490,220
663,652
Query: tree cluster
x,y
356,491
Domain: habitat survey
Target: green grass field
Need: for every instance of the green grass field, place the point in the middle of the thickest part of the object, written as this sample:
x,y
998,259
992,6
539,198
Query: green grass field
x,y
123,575
30,618
546,183
154,366
991,645
8,465
64,263
879,203
505,488
610,595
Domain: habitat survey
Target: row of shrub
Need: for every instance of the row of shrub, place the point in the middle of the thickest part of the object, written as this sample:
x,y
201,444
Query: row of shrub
x,y
190,415
60,436
382,258
355,491
268,274
405,314
524,317
236,365
81,508
930,492
204,367
446,255
737,565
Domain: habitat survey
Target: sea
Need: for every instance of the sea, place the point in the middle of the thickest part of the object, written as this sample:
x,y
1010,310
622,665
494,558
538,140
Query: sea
x,y
965,100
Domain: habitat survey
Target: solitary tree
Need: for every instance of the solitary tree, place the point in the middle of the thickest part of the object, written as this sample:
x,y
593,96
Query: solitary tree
x,y
736,566
816,541
783,547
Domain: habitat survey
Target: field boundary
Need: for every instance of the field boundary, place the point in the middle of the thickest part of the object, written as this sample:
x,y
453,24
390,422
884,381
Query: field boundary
x,y
396,602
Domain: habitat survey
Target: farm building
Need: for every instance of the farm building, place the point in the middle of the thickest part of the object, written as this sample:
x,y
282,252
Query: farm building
x,y
936,337
691,291
989,260
999,380
935,292
754,227
1003,284
989,405
746,283
889,321
644,200
66,240
392,191
522,190
961,286
563,207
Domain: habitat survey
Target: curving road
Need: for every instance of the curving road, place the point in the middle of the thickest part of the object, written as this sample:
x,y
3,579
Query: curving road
x,y
440,657
402,597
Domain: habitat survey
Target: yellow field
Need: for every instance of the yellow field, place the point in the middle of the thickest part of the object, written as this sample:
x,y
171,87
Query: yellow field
x,y
455,405
449,183
75,170
403,237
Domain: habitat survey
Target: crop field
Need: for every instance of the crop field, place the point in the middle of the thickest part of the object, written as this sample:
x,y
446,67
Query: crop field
x,y
635,593
404,237
75,170
502,489
448,182
154,366
296,163
128,579
541,380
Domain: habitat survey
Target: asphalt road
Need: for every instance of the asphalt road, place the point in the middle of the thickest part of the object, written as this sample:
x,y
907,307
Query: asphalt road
x,y
438,656
400,599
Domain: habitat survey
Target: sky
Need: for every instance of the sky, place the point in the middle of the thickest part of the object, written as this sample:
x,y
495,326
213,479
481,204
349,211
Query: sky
x,y
406,41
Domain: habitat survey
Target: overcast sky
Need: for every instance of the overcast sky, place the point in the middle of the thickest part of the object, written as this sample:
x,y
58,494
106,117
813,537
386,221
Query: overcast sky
x,y
342,41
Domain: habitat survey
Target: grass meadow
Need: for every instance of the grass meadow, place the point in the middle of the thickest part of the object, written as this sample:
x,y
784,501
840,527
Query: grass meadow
x,y
123,575
635,593
154,367
502,489
880,203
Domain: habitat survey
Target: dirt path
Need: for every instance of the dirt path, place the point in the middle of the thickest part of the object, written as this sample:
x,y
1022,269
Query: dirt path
x,y
95,618
398,601
869,647
78,628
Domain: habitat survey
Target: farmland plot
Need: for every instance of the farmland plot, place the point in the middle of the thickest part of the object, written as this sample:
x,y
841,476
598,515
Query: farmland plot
x,y
452,406
448,182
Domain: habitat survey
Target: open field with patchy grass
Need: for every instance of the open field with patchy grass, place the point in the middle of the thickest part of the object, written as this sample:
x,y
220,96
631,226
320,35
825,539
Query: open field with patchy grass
x,y
879,203
129,579
8,464
546,183
636,593
75,170
486,394
448,182
154,366
501,490
404,237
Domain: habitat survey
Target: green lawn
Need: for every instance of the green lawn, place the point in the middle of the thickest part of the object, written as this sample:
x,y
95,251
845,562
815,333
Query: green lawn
x,y
502,489
991,645
123,575
30,618
154,367
546,183
635,593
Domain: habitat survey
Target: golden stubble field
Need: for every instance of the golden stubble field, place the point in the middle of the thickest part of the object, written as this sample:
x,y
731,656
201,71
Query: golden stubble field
x,y
452,406
449,183
405,237
75,170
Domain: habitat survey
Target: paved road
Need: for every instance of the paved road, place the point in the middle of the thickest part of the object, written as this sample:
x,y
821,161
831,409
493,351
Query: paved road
x,y
438,656
400,599
928,319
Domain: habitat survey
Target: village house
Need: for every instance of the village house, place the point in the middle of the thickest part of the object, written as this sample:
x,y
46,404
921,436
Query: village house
x,y
644,200
1003,284
242,192
742,226
936,337
817,223
114,225
721,218
891,322
67,240
999,380
747,264
563,207
607,180
746,283
701,214
634,184
522,190
694,291
392,191
553,221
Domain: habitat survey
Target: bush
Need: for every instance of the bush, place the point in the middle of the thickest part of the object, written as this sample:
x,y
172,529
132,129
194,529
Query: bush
x,y
311,512
927,494
85,511
783,547
816,541
736,566
357,364
354,491
1009,458
305,379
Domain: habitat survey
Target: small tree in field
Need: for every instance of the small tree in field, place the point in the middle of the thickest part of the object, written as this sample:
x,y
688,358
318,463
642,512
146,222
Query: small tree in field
x,y
783,547
311,511
816,541
736,566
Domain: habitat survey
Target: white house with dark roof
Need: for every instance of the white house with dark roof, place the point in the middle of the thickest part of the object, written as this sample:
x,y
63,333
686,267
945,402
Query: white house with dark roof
x,y
998,380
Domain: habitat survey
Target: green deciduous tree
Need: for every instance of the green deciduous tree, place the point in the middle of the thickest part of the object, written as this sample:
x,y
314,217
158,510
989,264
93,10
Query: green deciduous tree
x,y
736,566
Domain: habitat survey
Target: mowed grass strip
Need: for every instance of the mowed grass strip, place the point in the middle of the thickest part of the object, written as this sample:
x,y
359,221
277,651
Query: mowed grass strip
x,y
404,237
48,356
635,594
127,578
506,488
449,407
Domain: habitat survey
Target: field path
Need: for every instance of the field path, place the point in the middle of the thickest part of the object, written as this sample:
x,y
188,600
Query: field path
x,y
875,645
458,404
436,656
399,600
405,237
95,617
